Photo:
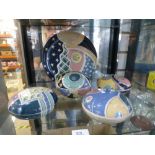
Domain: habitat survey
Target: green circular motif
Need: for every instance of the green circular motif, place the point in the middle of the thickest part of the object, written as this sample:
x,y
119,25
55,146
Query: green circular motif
x,y
73,80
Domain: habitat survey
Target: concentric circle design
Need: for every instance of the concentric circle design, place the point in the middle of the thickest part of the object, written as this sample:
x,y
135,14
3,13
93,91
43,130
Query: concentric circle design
x,y
74,77
73,83
76,57
73,80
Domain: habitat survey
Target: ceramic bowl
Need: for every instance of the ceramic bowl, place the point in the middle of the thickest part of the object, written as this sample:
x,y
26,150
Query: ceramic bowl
x,y
107,83
32,103
73,83
121,84
107,106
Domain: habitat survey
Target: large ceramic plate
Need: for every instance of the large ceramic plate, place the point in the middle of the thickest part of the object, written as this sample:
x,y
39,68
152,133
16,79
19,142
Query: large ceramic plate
x,y
69,51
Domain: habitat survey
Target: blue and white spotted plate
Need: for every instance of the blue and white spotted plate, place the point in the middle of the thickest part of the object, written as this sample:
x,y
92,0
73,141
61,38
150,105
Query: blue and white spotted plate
x,y
32,103
69,51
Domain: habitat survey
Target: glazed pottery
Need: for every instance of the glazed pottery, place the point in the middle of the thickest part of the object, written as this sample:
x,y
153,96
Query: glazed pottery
x,y
107,83
107,106
69,51
32,103
121,84
73,83
142,122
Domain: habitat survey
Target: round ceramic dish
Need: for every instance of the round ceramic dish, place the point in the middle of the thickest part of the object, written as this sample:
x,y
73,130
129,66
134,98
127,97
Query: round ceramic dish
x,y
32,103
73,83
107,83
107,106
123,84
69,51
118,83
142,122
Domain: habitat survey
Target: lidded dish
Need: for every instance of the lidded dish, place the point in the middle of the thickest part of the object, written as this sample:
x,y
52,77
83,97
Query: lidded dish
x,y
32,103
107,106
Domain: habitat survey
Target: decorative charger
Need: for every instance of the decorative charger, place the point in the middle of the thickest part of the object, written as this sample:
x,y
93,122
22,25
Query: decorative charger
x,y
123,84
107,106
69,51
32,103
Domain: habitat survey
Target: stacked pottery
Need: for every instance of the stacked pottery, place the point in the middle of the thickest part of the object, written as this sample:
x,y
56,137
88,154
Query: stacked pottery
x,y
70,54
69,59
32,103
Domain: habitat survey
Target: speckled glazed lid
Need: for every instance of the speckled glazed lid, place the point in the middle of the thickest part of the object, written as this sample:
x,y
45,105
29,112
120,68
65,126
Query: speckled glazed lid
x,y
107,106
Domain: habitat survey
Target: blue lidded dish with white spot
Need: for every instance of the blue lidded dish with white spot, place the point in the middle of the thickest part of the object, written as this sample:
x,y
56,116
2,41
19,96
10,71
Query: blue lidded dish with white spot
x,y
32,103
107,106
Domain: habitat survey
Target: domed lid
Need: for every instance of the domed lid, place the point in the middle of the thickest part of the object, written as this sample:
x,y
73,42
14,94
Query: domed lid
x,y
106,104
32,102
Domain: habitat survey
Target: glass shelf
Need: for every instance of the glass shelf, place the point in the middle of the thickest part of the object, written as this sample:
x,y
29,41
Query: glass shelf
x,y
68,115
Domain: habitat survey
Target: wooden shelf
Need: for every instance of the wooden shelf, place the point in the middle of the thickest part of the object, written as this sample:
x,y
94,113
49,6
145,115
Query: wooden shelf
x,y
8,57
8,45
6,36
10,68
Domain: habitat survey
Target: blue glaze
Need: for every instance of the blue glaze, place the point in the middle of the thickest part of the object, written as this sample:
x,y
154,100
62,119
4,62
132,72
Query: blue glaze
x,y
89,68
65,92
27,109
125,100
56,61
88,44
86,84
95,105
74,77
46,48
98,103
50,59
32,103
